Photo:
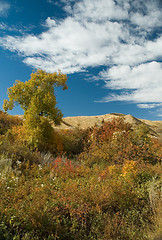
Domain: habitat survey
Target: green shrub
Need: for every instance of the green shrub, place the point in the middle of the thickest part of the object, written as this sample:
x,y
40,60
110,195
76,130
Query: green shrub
x,y
17,155
73,140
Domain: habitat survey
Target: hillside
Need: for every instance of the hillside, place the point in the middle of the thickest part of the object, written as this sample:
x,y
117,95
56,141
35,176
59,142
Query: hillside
x,y
89,121
84,122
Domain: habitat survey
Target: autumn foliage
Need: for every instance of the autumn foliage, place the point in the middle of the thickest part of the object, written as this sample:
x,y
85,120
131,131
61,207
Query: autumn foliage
x,y
37,98
115,142
99,183
102,183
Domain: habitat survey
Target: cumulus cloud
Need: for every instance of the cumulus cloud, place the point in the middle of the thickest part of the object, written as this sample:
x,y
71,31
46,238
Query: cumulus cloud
x,y
76,45
95,33
100,10
146,14
140,84
118,34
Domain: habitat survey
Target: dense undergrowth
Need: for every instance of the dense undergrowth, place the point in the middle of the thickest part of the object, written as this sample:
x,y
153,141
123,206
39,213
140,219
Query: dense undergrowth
x,y
103,183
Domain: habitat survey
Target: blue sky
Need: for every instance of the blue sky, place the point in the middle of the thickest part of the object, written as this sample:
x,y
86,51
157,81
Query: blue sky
x,y
111,51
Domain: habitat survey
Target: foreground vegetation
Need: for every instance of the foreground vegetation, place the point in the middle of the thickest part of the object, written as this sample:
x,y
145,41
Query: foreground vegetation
x,y
101,183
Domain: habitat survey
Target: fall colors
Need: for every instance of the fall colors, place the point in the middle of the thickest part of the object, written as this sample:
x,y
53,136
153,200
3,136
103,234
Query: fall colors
x,y
97,182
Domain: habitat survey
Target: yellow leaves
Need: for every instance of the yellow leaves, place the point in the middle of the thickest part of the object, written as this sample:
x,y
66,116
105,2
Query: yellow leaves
x,y
37,99
112,170
129,169
8,105
48,79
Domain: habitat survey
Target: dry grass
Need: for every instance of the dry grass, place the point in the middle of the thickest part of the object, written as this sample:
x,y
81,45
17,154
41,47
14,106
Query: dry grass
x,y
84,122
155,193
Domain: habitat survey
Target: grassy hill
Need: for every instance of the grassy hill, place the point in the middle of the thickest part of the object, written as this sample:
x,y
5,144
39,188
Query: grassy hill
x,y
84,122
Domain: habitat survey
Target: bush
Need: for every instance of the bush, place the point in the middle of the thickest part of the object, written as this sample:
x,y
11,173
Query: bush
x,y
7,121
18,155
67,201
73,141
113,192
116,141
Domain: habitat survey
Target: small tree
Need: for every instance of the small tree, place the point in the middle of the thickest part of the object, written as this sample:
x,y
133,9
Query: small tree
x,y
37,98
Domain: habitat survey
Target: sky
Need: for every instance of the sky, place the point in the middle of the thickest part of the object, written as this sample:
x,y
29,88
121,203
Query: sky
x,y
111,51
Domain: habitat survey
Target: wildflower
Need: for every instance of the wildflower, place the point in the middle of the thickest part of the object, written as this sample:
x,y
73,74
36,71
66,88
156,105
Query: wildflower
x,y
40,167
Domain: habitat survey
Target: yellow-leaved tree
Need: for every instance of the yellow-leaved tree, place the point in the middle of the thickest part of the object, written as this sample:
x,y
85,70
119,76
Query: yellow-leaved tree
x,y
37,98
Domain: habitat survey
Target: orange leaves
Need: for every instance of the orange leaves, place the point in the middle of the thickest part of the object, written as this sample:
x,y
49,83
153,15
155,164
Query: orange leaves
x,y
129,170
7,122
64,164
102,194
77,200
114,142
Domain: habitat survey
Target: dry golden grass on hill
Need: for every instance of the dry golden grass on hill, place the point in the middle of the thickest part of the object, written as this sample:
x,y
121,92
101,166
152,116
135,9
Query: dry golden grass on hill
x,y
84,122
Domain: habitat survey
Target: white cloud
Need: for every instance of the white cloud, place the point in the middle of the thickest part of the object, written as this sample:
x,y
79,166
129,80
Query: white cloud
x,y
70,42
159,112
50,22
146,14
125,77
149,105
141,84
3,26
4,6
118,34
95,33
100,10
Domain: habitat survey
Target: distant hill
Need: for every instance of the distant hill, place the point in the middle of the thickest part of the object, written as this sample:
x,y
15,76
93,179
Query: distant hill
x,y
84,122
